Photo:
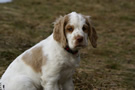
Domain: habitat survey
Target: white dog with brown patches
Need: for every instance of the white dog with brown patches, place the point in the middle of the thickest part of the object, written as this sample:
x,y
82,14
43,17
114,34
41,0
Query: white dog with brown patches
x,y
49,65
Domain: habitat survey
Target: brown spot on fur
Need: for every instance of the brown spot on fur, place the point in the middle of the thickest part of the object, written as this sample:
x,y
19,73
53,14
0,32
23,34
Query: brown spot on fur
x,y
59,30
35,58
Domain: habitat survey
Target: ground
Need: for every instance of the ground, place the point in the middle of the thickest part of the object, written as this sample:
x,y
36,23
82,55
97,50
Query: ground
x,y
110,66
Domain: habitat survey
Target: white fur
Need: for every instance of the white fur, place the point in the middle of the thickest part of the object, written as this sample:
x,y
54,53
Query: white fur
x,y
57,73
77,21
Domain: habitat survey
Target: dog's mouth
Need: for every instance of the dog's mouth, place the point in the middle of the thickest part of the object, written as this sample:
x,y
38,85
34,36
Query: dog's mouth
x,y
79,46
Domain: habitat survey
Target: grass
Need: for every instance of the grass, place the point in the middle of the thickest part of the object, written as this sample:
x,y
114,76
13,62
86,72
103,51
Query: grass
x,y
111,66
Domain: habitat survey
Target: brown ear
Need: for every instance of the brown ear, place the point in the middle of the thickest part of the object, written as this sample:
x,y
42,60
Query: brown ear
x,y
92,33
59,30
93,37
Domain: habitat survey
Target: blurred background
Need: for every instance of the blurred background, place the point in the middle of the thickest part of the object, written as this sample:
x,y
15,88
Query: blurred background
x,y
110,66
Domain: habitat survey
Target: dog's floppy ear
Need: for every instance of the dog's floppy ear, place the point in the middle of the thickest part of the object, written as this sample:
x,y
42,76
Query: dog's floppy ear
x,y
93,37
59,30
92,33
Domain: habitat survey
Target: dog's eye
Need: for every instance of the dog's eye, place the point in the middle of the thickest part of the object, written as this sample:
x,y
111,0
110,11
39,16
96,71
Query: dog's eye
x,y
70,29
85,28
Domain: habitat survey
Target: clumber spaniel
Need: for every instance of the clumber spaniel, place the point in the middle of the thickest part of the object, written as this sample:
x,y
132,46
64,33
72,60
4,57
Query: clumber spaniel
x,y
50,64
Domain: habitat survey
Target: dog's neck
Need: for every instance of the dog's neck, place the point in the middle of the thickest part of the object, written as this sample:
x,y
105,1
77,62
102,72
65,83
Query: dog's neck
x,y
71,51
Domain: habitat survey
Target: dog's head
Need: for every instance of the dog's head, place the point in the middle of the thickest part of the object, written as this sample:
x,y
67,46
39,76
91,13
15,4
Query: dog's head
x,y
73,30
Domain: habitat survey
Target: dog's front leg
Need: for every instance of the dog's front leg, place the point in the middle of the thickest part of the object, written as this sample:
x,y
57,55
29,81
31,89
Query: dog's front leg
x,y
50,83
50,78
51,86
68,85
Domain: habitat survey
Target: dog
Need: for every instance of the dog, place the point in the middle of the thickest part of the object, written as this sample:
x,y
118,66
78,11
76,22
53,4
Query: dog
x,y
50,64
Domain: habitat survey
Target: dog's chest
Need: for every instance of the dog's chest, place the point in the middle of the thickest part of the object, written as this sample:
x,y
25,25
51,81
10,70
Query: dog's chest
x,y
66,74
